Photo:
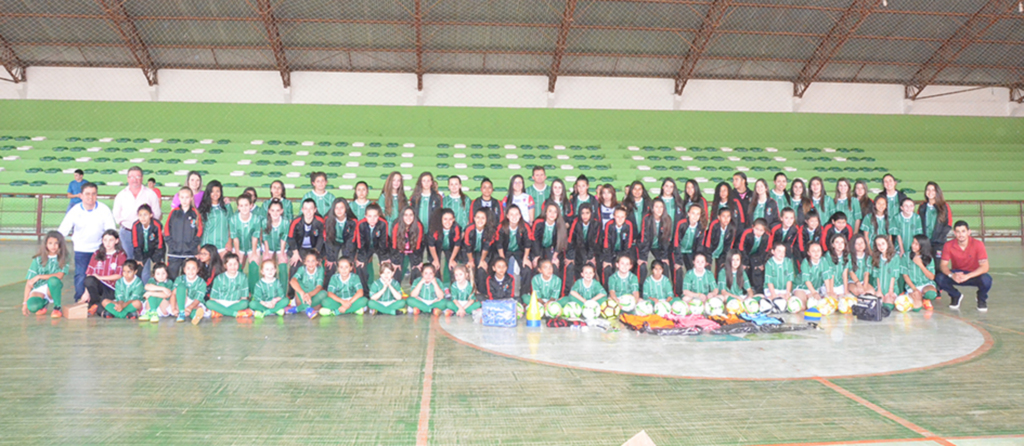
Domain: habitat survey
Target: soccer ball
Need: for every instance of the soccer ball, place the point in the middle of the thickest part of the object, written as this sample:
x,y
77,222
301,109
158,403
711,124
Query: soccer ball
x,y
662,308
813,302
794,305
591,310
572,310
904,303
766,305
779,305
627,302
734,306
696,307
751,306
609,311
845,304
827,306
553,309
679,308
520,311
644,308
715,306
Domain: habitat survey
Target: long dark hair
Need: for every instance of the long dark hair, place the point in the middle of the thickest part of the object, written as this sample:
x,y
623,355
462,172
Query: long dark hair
x,y
851,248
101,254
511,191
216,265
560,230
728,271
675,190
805,200
385,195
926,248
874,213
864,200
890,251
331,221
629,202
62,249
665,231
405,232
417,190
490,226
207,203
462,195
941,211
717,199
564,199
270,221
843,256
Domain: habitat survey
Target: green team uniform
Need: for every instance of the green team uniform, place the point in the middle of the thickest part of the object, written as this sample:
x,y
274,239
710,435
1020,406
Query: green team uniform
x,y
778,274
874,226
825,207
288,213
244,232
658,289
735,290
427,293
396,208
863,267
216,226
623,285
849,207
387,303
273,241
346,290
670,208
906,228
126,292
187,291
916,275
699,283
539,195
834,270
229,295
308,282
323,202
893,206
887,271
547,290
461,210
759,210
55,285
587,292
462,294
686,245
264,293
780,199
358,209
931,216
154,302
814,273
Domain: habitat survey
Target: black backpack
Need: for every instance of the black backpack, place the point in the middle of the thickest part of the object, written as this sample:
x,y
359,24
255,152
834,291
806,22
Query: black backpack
x,y
869,308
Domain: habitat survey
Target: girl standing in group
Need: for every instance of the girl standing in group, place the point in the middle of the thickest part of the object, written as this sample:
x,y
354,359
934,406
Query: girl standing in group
x,y
407,246
779,192
720,238
339,235
691,196
846,203
606,203
905,226
43,281
275,240
371,240
820,201
319,194
458,202
860,266
216,215
877,223
513,242
893,196
245,238
426,201
676,205
444,245
183,229
305,234
686,243
584,245
809,233
886,270
360,200
799,201
488,203
194,183
550,239
619,241
581,195
392,197
277,192
477,245
762,205
755,245
725,198
558,198
860,195
655,239
936,217
518,197
637,204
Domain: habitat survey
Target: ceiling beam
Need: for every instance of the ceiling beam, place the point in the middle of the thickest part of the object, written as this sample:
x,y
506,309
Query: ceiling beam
x,y
561,43
9,59
714,17
965,36
418,25
125,26
266,12
846,26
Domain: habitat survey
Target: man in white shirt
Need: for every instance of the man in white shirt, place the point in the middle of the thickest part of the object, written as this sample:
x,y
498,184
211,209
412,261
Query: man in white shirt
x,y
86,221
126,206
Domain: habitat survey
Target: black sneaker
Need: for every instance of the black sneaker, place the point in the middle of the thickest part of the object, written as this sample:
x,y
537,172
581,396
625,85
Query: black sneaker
x,y
982,306
954,302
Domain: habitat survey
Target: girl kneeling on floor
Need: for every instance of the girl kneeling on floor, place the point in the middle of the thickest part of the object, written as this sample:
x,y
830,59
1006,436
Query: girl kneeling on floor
x,y
43,282
230,294
463,301
386,293
128,291
427,295
160,293
269,296
345,292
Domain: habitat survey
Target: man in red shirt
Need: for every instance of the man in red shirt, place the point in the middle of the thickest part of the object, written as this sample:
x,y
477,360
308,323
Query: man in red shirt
x,y
964,263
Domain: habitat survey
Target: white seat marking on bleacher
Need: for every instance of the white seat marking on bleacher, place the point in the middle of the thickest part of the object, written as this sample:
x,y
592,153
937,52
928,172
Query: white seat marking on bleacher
x,y
727,149
408,145
302,153
780,159
566,166
459,155
460,146
156,140
355,154
358,144
514,167
771,149
249,152
633,148
136,160
238,173
256,142
680,149
172,184
39,138
512,146
408,155
292,175
198,151
686,158
559,147
643,167
405,165
512,156
146,150
105,139
244,162
460,166
93,149
352,164
190,161
693,168
349,176
181,173
308,143
206,141
83,159
734,158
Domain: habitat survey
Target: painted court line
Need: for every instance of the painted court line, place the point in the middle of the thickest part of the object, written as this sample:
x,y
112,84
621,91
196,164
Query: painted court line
x,y
895,440
423,431
329,360
885,413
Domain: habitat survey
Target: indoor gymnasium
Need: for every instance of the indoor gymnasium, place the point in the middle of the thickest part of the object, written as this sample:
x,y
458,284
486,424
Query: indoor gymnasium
x,y
514,222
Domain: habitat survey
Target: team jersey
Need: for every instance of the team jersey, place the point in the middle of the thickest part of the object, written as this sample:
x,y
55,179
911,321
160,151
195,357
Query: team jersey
x,y
547,289
906,228
462,292
887,271
658,289
288,213
825,208
893,206
863,266
166,284
874,226
216,226
126,291
735,289
230,289
323,202
623,285
699,283
834,270
194,289
427,292
52,266
931,216
687,244
915,273
524,202
309,281
276,235
538,195
670,207
849,207
778,273
245,231
460,207
780,199
358,209
588,292
816,273
267,291
379,285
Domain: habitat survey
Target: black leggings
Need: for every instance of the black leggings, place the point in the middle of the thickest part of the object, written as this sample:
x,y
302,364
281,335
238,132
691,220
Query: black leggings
x,y
98,291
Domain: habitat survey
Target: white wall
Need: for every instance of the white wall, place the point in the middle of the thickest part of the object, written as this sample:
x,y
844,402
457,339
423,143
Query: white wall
x,y
115,84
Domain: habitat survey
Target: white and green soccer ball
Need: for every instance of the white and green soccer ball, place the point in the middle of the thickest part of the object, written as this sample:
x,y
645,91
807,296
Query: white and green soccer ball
x,y
715,307
553,309
572,310
662,308
794,305
627,302
813,302
520,310
904,303
752,306
591,310
644,308
734,306
679,308
696,307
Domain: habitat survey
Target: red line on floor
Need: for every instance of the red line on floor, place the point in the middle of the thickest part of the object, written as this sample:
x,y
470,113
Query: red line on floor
x,y
851,442
885,413
423,431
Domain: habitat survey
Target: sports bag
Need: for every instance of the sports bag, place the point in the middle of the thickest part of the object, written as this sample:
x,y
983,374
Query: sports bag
x,y
499,313
868,308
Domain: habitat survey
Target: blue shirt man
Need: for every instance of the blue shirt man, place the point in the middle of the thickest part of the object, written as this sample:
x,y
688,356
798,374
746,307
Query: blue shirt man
x,y
75,189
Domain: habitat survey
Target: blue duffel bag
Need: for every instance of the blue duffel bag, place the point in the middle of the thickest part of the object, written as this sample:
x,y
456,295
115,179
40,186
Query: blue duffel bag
x,y
499,313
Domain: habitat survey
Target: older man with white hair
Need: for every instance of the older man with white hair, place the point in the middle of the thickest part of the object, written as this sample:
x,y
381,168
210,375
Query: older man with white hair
x,y
126,206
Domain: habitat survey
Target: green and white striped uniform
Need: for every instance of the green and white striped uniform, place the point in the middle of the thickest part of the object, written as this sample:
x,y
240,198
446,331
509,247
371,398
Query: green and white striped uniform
x,y
188,291
358,209
427,292
230,289
166,284
887,270
323,202
538,198
816,273
125,291
379,285
344,289
275,236
462,293
825,207
52,266
874,226
931,216
916,275
834,270
589,292
307,280
849,207
906,228
735,290
893,207
623,285
461,211
778,273
267,291
670,208
287,215
245,231
547,289
699,283
216,226
658,289
686,245
780,199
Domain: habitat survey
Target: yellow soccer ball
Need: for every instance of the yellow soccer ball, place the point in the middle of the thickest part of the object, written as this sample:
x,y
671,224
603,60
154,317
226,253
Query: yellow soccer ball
x,y
827,306
904,303
845,305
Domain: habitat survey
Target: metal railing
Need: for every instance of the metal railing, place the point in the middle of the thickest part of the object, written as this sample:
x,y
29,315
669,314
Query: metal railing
x,y
32,215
